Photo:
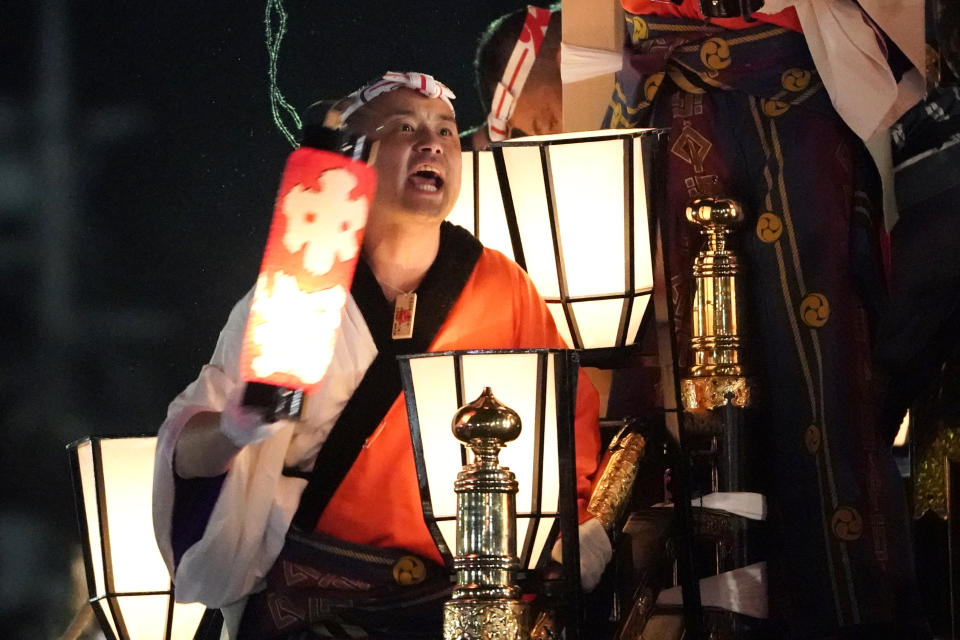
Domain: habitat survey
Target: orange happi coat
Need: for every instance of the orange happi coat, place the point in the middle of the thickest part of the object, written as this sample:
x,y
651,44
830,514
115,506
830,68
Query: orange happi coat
x,y
378,502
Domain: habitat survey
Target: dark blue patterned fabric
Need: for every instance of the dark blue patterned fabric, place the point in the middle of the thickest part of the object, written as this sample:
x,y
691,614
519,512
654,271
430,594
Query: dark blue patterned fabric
x,y
750,119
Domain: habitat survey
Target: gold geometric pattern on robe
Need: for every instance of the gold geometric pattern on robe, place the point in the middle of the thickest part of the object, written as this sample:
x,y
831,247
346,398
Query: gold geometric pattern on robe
x,y
812,439
283,612
617,121
707,184
795,80
692,147
625,104
773,108
651,85
639,29
409,570
846,524
715,53
769,227
815,310
684,105
295,574
680,79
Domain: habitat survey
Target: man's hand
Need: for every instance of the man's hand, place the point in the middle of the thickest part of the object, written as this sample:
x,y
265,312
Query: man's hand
x,y
242,425
595,553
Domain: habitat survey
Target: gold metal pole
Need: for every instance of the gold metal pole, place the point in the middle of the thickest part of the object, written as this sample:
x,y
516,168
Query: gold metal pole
x,y
485,603
716,376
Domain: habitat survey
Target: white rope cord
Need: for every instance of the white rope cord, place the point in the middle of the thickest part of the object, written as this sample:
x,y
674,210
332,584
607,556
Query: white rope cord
x,y
278,104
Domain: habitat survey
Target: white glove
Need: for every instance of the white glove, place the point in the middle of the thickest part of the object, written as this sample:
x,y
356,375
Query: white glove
x,y
595,553
243,425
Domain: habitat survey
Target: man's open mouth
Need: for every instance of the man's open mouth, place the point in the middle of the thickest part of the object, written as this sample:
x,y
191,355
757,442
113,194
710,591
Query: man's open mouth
x,y
426,180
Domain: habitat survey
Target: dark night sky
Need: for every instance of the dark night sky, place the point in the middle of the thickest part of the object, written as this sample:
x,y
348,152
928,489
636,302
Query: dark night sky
x,y
174,163
193,186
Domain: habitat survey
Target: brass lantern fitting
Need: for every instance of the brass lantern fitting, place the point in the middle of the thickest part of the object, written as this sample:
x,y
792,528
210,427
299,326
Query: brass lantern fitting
x,y
485,602
716,375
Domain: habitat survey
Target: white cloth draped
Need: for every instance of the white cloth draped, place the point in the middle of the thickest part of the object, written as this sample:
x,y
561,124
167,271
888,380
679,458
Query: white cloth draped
x,y
235,553
742,590
848,57
582,63
740,503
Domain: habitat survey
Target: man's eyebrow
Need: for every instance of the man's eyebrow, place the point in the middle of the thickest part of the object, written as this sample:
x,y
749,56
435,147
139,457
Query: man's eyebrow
x,y
407,112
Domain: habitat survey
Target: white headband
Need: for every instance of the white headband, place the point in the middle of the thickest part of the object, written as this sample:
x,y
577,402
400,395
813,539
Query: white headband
x,y
524,54
420,82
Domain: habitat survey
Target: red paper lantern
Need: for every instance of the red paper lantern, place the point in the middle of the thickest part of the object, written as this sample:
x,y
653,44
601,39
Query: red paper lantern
x,y
308,265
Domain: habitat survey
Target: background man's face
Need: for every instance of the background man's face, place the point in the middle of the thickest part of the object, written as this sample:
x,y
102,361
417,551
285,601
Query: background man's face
x,y
539,110
418,159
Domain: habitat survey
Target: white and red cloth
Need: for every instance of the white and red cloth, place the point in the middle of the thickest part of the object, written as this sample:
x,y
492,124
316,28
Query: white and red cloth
x,y
518,68
421,82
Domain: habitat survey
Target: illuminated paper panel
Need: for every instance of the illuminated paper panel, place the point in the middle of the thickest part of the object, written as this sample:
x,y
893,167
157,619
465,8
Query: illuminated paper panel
x,y
479,208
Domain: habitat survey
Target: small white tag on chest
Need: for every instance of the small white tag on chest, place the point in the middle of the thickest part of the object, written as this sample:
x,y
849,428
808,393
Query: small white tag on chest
x,y
404,310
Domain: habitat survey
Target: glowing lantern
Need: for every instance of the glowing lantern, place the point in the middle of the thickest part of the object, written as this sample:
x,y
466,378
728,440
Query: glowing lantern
x,y
128,583
578,208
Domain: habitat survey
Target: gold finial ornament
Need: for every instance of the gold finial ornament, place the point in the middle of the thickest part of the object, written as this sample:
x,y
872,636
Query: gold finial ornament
x,y
485,602
716,375
486,418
